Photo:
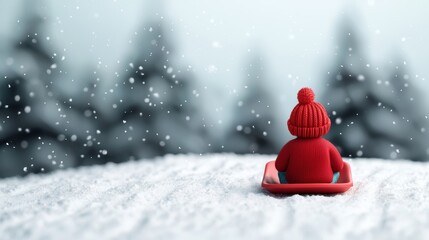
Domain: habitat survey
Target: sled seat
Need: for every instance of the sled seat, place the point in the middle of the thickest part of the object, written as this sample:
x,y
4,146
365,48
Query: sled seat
x,y
271,182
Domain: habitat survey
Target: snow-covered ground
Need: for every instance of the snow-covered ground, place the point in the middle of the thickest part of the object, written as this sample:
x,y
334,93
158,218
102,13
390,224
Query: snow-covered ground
x,y
212,197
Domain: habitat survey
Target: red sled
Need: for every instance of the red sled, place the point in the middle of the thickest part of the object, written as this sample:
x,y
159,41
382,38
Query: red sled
x,y
272,184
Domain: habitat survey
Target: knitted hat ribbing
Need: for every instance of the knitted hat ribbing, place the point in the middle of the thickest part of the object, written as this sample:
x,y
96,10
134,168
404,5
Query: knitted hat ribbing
x,y
308,119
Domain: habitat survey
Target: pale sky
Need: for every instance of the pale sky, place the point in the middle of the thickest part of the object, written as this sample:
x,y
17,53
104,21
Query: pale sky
x,y
296,39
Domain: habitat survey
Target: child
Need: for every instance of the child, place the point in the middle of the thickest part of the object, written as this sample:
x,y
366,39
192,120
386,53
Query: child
x,y
308,158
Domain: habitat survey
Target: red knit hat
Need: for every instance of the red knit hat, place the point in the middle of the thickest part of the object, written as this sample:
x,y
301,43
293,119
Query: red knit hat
x,y
308,119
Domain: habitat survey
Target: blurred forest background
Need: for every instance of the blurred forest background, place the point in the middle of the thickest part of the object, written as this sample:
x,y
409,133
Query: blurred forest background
x,y
92,82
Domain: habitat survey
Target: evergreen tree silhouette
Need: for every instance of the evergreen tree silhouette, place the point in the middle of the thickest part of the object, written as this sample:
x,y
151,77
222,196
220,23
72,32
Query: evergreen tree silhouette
x,y
413,124
252,125
32,45
366,118
348,94
82,110
158,111
29,140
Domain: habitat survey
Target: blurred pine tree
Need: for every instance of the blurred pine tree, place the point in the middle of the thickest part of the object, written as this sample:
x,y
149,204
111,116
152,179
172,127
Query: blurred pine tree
x,y
158,111
29,138
252,129
370,117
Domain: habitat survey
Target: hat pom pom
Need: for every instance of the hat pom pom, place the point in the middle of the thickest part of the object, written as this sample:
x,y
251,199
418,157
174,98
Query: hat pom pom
x,y
305,96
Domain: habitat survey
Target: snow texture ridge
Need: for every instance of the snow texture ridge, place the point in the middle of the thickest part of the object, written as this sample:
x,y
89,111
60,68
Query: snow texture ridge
x,y
212,197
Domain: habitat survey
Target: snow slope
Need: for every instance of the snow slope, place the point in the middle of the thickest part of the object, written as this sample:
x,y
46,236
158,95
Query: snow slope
x,y
212,197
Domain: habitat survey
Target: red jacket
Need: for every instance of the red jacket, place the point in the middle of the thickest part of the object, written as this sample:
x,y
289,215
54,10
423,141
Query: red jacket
x,y
309,160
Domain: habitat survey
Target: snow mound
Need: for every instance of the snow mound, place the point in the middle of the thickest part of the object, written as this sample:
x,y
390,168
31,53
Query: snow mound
x,y
212,197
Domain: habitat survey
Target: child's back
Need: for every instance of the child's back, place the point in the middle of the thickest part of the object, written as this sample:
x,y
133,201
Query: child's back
x,y
309,158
